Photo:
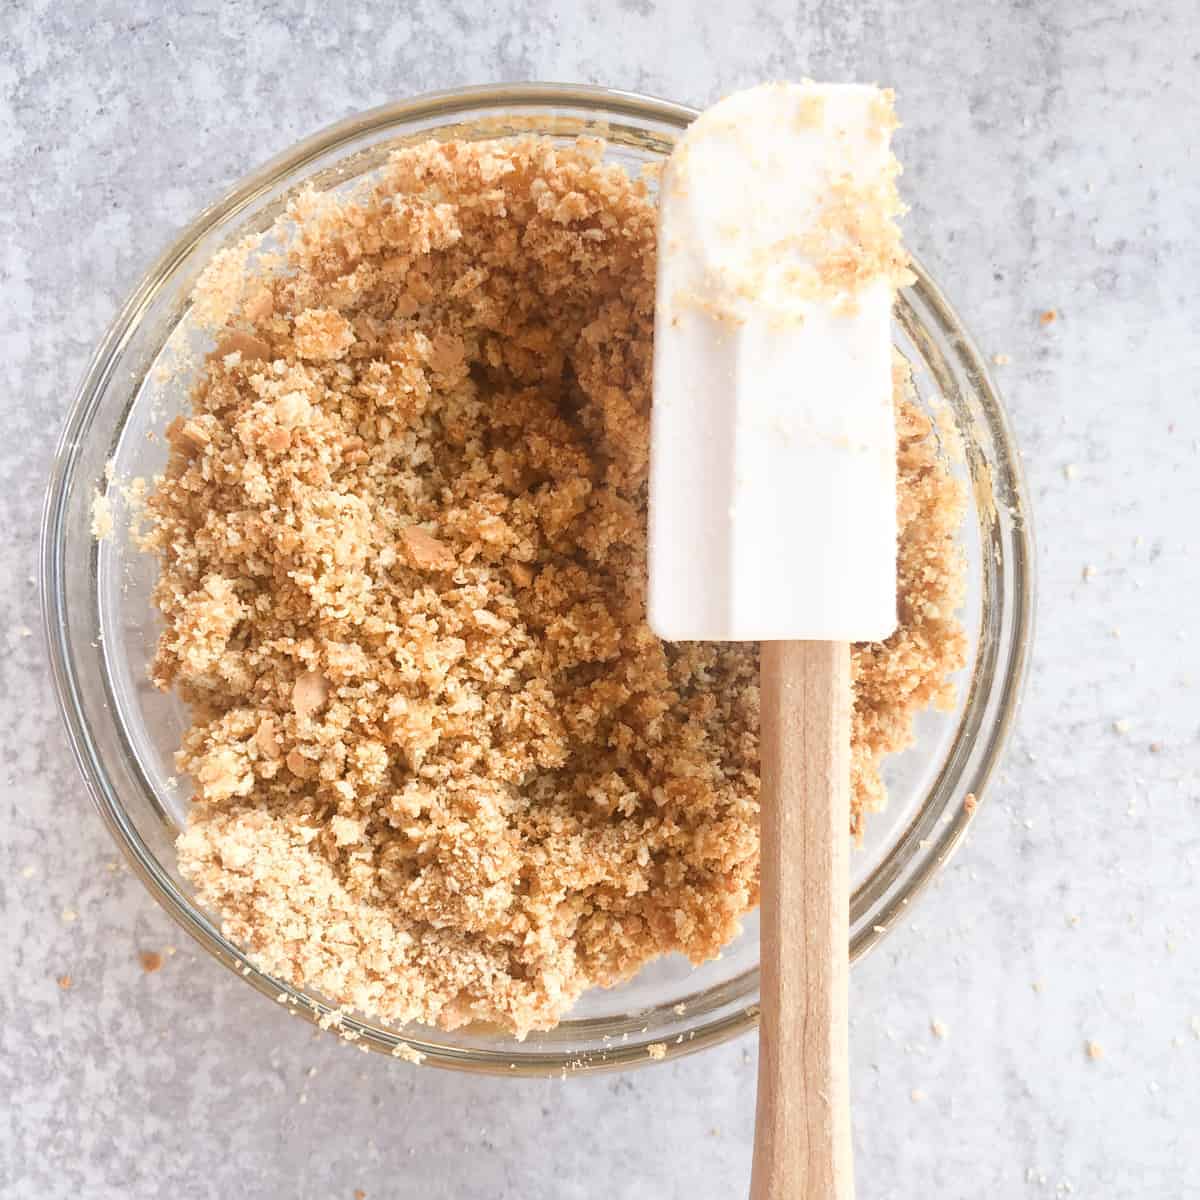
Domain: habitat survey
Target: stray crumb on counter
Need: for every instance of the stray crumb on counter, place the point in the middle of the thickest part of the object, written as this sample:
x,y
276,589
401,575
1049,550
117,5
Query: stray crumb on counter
x,y
1094,1050
151,961
1048,317
657,1050
65,982
939,1029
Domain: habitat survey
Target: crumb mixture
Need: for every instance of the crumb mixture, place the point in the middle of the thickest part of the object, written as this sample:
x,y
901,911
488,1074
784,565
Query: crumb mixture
x,y
443,770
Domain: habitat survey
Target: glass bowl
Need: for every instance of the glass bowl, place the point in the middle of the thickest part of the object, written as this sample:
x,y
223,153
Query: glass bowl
x,y
101,628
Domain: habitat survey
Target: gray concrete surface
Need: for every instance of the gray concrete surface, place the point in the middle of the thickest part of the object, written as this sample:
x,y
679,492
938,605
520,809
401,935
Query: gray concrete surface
x,y
1049,166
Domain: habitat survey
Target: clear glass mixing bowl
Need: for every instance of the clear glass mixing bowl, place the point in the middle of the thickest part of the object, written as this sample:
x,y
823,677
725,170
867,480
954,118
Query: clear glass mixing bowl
x,y
101,627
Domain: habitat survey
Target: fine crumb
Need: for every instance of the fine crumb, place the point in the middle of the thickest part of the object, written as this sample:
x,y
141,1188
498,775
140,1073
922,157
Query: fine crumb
x,y
102,517
680,1009
442,769
939,1029
970,804
69,914
28,872
1094,1051
1088,573
1048,317
408,1053
1001,360
65,982
917,1095
1121,726
1071,471
657,1050
151,960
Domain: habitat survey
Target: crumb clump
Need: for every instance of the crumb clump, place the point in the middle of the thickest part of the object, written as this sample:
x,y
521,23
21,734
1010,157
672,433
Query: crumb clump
x,y
443,770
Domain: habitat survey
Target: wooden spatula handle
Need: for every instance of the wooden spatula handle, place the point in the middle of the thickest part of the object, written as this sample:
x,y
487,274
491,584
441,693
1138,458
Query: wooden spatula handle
x,y
802,1133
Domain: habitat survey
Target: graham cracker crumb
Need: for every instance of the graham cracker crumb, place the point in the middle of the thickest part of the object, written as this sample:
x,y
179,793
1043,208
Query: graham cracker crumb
x,y
1048,317
65,982
102,517
657,1050
424,552
151,961
443,770
1094,1051
408,1053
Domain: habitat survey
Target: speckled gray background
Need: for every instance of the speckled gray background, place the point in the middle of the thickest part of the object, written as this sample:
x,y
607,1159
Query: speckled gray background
x,y
1049,166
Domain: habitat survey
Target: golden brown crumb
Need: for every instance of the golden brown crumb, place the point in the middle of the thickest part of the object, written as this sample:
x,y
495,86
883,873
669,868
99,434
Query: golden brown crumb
x,y
443,770
1094,1051
657,1050
424,552
151,960
1048,317
65,982
970,804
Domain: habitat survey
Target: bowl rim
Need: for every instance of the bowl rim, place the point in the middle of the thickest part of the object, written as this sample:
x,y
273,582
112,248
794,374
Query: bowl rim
x,y
242,194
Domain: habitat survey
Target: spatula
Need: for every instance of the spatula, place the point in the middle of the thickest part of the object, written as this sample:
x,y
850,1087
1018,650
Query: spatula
x,y
773,519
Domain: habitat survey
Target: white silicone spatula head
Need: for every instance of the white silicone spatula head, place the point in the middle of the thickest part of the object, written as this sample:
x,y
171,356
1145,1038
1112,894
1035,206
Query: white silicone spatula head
x,y
773,518
773,480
